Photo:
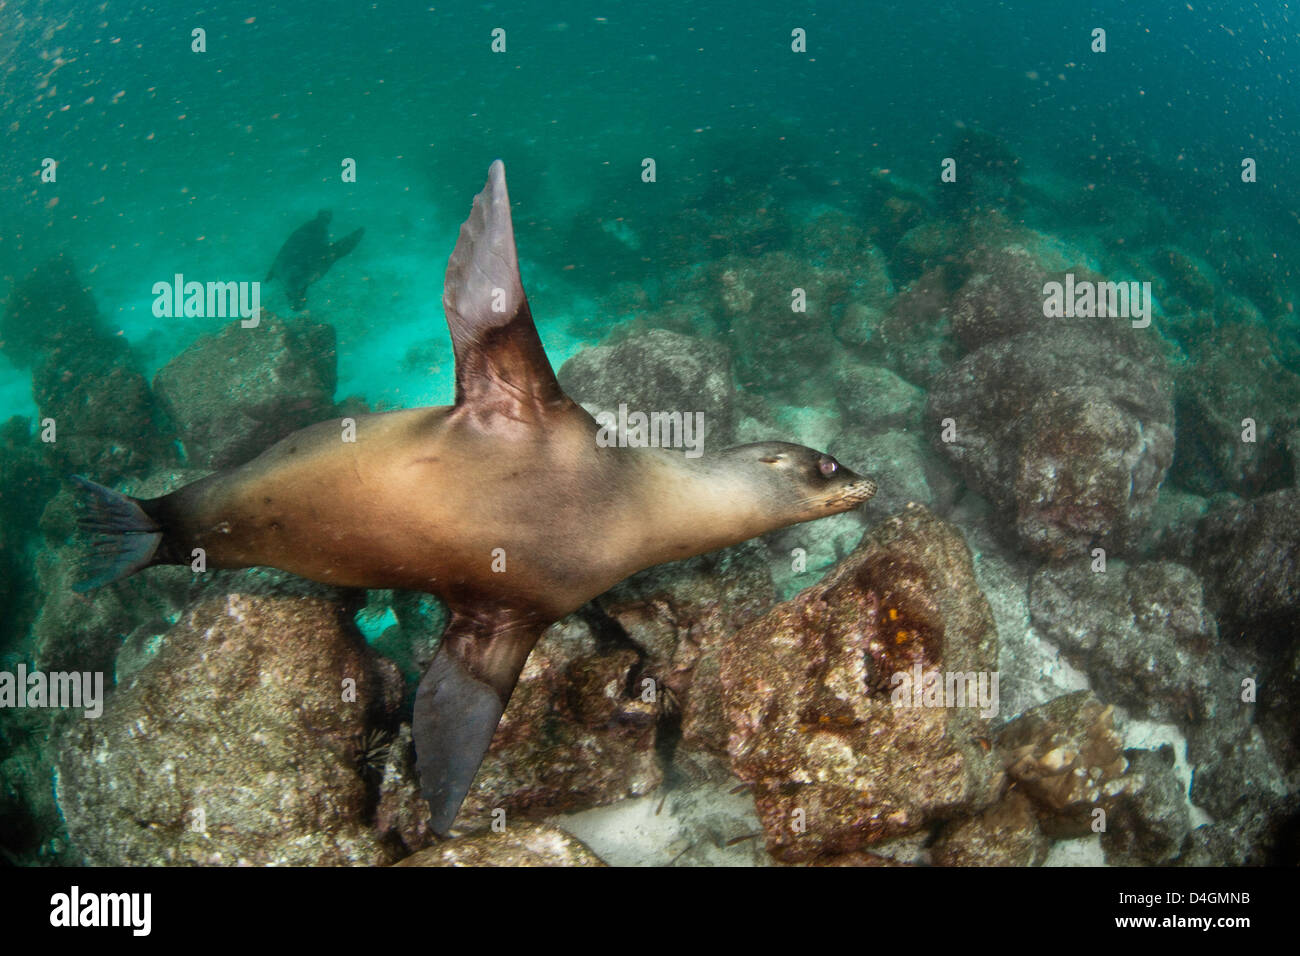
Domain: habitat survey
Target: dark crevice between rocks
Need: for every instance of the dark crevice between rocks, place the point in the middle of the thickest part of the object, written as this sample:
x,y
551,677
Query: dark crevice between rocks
x,y
369,755
609,634
1285,850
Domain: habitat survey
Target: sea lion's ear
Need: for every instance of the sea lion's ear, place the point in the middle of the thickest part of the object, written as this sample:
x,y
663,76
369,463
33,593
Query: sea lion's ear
x,y
501,367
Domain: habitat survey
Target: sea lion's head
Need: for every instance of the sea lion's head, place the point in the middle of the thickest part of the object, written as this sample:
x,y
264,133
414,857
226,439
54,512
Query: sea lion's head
x,y
798,482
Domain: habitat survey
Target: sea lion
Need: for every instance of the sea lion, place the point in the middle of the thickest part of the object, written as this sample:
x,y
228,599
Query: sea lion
x,y
307,255
504,505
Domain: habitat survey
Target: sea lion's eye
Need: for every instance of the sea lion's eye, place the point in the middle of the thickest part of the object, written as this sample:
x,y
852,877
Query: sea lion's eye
x,y
827,465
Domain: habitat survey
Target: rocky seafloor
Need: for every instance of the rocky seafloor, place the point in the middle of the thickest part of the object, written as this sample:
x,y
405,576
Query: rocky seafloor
x,y
1068,503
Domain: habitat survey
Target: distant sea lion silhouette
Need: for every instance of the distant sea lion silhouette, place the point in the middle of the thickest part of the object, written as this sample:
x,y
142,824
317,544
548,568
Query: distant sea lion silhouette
x,y
504,505
307,255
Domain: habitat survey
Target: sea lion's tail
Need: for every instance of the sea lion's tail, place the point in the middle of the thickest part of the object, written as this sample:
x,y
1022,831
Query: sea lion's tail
x,y
345,245
460,702
123,537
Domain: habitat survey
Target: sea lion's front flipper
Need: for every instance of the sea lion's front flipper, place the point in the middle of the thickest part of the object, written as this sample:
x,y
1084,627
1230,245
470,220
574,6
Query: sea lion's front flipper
x,y
501,367
459,703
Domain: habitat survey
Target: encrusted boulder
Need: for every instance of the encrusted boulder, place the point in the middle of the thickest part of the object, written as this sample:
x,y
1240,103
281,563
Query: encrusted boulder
x,y
239,742
49,310
579,732
1002,295
656,371
843,702
1249,554
1006,834
681,616
1141,631
875,399
915,333
233,394
1068,758
1151,819
96,413
1237,405
1068,436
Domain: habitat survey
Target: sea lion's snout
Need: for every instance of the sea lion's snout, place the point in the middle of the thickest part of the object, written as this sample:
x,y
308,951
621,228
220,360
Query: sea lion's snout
x,y
856,493
846,489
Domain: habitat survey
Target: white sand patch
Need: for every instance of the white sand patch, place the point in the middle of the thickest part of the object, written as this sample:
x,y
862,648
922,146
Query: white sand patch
x,y
683,827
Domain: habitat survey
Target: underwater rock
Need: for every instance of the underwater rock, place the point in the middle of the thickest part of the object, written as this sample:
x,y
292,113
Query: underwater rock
x,y
875,399
1236,376
801,554
916,334
680,616
859,324
238,743
1068,758
754,304
809,688
891,207
1279,713
1002,296
576,734
520,844
1260,834
1150,820
1033,671
26,482
83,378
401,812
104,413
1006,834
925,246
1248,552
76,631
734,212
31,830
1070,436
1141,631
49,310
753,301
1254,801
834,242
234,393
1233,767
906,470
1171,533
656,371
1185,276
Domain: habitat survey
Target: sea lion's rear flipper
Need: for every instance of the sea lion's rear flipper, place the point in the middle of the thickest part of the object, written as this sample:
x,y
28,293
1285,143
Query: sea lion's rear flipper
x,y
459,703
125,538
501,367
345,245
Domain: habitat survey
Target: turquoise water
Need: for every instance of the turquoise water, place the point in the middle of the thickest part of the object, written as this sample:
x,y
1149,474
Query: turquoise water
x,y
174,161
